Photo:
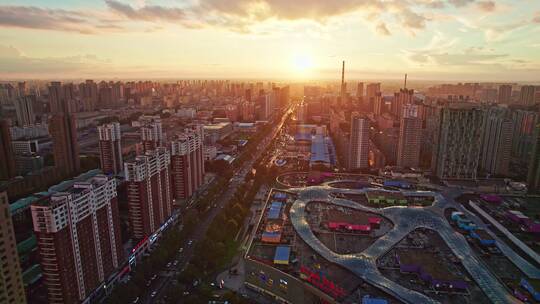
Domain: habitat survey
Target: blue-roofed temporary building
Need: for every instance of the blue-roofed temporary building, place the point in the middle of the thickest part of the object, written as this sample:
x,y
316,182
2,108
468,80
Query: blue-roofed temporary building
x,y
369,300
320,154
527,286
397,184
302,137
282,255
275,210
483,238
280,196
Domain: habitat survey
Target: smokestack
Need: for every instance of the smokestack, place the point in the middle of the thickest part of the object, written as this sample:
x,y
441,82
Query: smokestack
x,y
343,73
342,93
405,85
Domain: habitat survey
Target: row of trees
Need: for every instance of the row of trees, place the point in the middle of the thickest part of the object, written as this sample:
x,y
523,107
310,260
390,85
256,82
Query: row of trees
x,y
219,246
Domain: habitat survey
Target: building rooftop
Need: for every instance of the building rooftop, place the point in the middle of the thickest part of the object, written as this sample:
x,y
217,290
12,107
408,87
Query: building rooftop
x,y
274,211
24,203
319,150
282,255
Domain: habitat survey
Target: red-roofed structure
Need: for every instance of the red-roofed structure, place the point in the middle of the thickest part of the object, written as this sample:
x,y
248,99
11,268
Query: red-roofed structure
x,y
347,226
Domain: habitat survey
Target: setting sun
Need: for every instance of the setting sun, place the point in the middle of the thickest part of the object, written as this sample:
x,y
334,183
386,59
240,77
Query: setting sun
x,y
302,64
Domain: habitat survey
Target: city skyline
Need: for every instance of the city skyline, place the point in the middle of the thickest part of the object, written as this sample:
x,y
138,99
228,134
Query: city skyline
x,y
454,40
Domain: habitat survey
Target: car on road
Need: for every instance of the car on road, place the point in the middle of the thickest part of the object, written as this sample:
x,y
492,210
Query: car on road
x,y
175,263
153,294
190,242
168,265
181,250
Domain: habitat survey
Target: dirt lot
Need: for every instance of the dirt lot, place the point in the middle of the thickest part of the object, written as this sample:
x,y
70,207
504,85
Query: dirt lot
x,y
430,262
425,247
320,214
344,243
263,252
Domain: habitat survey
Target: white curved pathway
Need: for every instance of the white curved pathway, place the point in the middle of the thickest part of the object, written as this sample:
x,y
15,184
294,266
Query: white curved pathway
x,y
405,220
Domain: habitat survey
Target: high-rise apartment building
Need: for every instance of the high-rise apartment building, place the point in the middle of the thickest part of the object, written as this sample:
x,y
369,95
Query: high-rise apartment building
x,y
401,98
88,91
78,235
21,88
497,141
527,95
533,177
371,90
110,148
149,191
61,97
284,97
358,156
7,158
505,93
523,139
266,106
458,141
25,110
63,129
187,163
378,104
247,111
151,133
11,283
360,90
26,154
410,136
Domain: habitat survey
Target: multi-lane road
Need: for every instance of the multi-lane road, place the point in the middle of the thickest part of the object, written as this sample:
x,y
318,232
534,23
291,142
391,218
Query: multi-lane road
x,y
162,283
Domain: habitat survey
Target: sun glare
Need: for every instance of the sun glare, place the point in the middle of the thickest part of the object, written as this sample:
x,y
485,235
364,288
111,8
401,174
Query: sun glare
x,y
303,64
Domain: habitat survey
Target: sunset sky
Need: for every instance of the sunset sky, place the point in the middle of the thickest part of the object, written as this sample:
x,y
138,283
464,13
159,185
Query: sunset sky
x,y
454,40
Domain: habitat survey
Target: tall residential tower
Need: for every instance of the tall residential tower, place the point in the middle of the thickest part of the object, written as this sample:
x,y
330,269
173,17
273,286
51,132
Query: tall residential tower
x,y
78,235
7,158
11,283
110,148
149,191
410,135
358,156
458,141
63,129
497,141
187,161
